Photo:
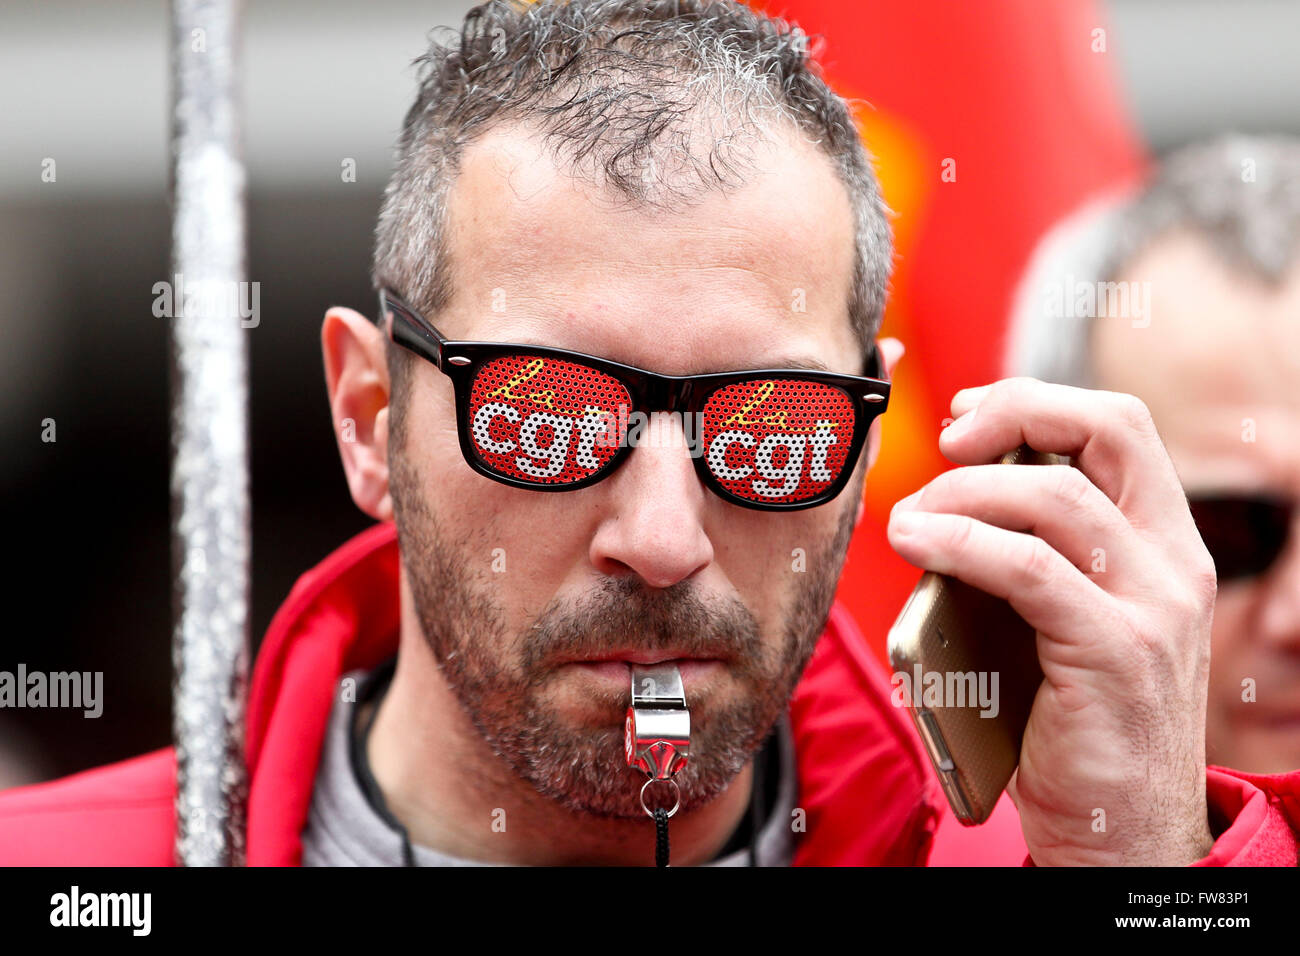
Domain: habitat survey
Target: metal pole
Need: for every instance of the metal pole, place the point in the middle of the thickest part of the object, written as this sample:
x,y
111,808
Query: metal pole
x,y
209,477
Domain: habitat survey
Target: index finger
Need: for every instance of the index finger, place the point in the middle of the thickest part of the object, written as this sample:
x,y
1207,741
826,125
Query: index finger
x,y
1110,435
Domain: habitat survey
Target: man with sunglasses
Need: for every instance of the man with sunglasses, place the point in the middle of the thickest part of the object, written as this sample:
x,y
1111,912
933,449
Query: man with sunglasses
x,y
609,215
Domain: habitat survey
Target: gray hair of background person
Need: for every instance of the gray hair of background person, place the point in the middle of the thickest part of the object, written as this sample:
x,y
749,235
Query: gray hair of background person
x,y
657,100
1239,193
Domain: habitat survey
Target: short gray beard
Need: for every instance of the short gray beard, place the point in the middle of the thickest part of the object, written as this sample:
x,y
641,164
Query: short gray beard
x,y
499,679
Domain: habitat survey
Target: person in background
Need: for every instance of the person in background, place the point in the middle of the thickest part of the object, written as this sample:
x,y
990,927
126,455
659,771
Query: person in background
x,y
1187,294
1185,291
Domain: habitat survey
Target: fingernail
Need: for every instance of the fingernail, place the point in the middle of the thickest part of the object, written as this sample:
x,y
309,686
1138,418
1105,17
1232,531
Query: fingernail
x,y
908,522
974,393
904,504
961,425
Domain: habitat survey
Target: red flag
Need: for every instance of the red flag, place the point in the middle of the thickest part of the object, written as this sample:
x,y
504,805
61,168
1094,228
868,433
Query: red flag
x,y
988,120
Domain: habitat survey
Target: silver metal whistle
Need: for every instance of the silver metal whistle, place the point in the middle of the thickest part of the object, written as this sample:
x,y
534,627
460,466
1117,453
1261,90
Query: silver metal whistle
x,y
657,732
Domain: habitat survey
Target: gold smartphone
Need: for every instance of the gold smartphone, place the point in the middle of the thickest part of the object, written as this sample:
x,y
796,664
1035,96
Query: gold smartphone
x,y
966,666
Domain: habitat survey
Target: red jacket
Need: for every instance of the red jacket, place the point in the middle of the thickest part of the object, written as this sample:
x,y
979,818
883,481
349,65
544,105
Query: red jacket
x,y
865,784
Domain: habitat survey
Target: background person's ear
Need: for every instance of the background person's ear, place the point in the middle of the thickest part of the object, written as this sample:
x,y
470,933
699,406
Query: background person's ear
x,y
356,378
891,350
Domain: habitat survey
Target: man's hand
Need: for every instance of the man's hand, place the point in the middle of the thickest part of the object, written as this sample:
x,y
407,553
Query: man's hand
x,y
1105,562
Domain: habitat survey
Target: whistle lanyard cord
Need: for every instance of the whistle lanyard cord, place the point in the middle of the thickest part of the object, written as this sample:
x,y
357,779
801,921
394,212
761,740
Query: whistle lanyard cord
x,y
756,791
373,686
661,837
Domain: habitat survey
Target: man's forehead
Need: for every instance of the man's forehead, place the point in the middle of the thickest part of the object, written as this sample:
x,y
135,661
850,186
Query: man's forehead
x,y
762,269
1217,360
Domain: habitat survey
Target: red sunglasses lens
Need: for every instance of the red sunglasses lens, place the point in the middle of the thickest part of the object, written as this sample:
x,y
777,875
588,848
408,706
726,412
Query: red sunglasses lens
x,y
777,441
545,421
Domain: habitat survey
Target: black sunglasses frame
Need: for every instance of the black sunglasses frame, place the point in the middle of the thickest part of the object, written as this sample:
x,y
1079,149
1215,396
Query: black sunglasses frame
x,y
649,391
1261,530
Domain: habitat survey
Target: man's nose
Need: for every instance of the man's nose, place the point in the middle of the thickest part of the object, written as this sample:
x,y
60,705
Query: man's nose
x,y
1279,620
653,522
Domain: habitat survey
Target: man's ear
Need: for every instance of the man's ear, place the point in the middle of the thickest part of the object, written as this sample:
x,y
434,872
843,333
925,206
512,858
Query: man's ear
x,y
356,377
891,350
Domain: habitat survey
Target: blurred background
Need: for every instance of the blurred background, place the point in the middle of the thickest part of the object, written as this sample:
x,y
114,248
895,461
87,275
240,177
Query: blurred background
x,y
1036,107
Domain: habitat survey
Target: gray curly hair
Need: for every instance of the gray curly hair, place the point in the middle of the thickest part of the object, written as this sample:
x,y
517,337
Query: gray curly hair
x,y
1241,194
621,89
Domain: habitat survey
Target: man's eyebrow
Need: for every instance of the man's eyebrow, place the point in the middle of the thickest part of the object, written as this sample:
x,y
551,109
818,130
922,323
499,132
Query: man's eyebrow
x,y
804,364
786,362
